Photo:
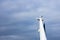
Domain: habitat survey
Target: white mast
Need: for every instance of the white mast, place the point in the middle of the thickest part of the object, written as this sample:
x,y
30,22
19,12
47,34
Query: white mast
x,y
42,29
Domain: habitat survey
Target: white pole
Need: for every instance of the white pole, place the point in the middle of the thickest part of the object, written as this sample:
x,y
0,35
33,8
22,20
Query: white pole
x,y
41,29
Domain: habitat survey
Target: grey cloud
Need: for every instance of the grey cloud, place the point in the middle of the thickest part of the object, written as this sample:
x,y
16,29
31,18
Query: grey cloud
x,y
12,37
18,5
18,17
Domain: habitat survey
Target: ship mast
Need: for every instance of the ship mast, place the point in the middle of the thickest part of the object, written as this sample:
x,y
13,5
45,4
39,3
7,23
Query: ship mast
x,y
42,30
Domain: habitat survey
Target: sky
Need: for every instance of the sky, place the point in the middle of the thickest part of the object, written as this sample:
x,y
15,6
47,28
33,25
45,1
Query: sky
x,y
18,19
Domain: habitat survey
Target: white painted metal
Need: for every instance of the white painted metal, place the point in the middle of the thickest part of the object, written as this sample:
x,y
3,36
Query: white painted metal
x,y
41,30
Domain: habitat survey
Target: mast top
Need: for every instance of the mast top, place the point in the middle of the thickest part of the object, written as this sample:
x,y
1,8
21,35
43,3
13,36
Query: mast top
x,y
40,18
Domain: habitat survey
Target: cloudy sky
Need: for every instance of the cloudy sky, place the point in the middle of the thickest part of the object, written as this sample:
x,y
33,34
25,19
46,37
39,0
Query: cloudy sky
x,y
18,19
